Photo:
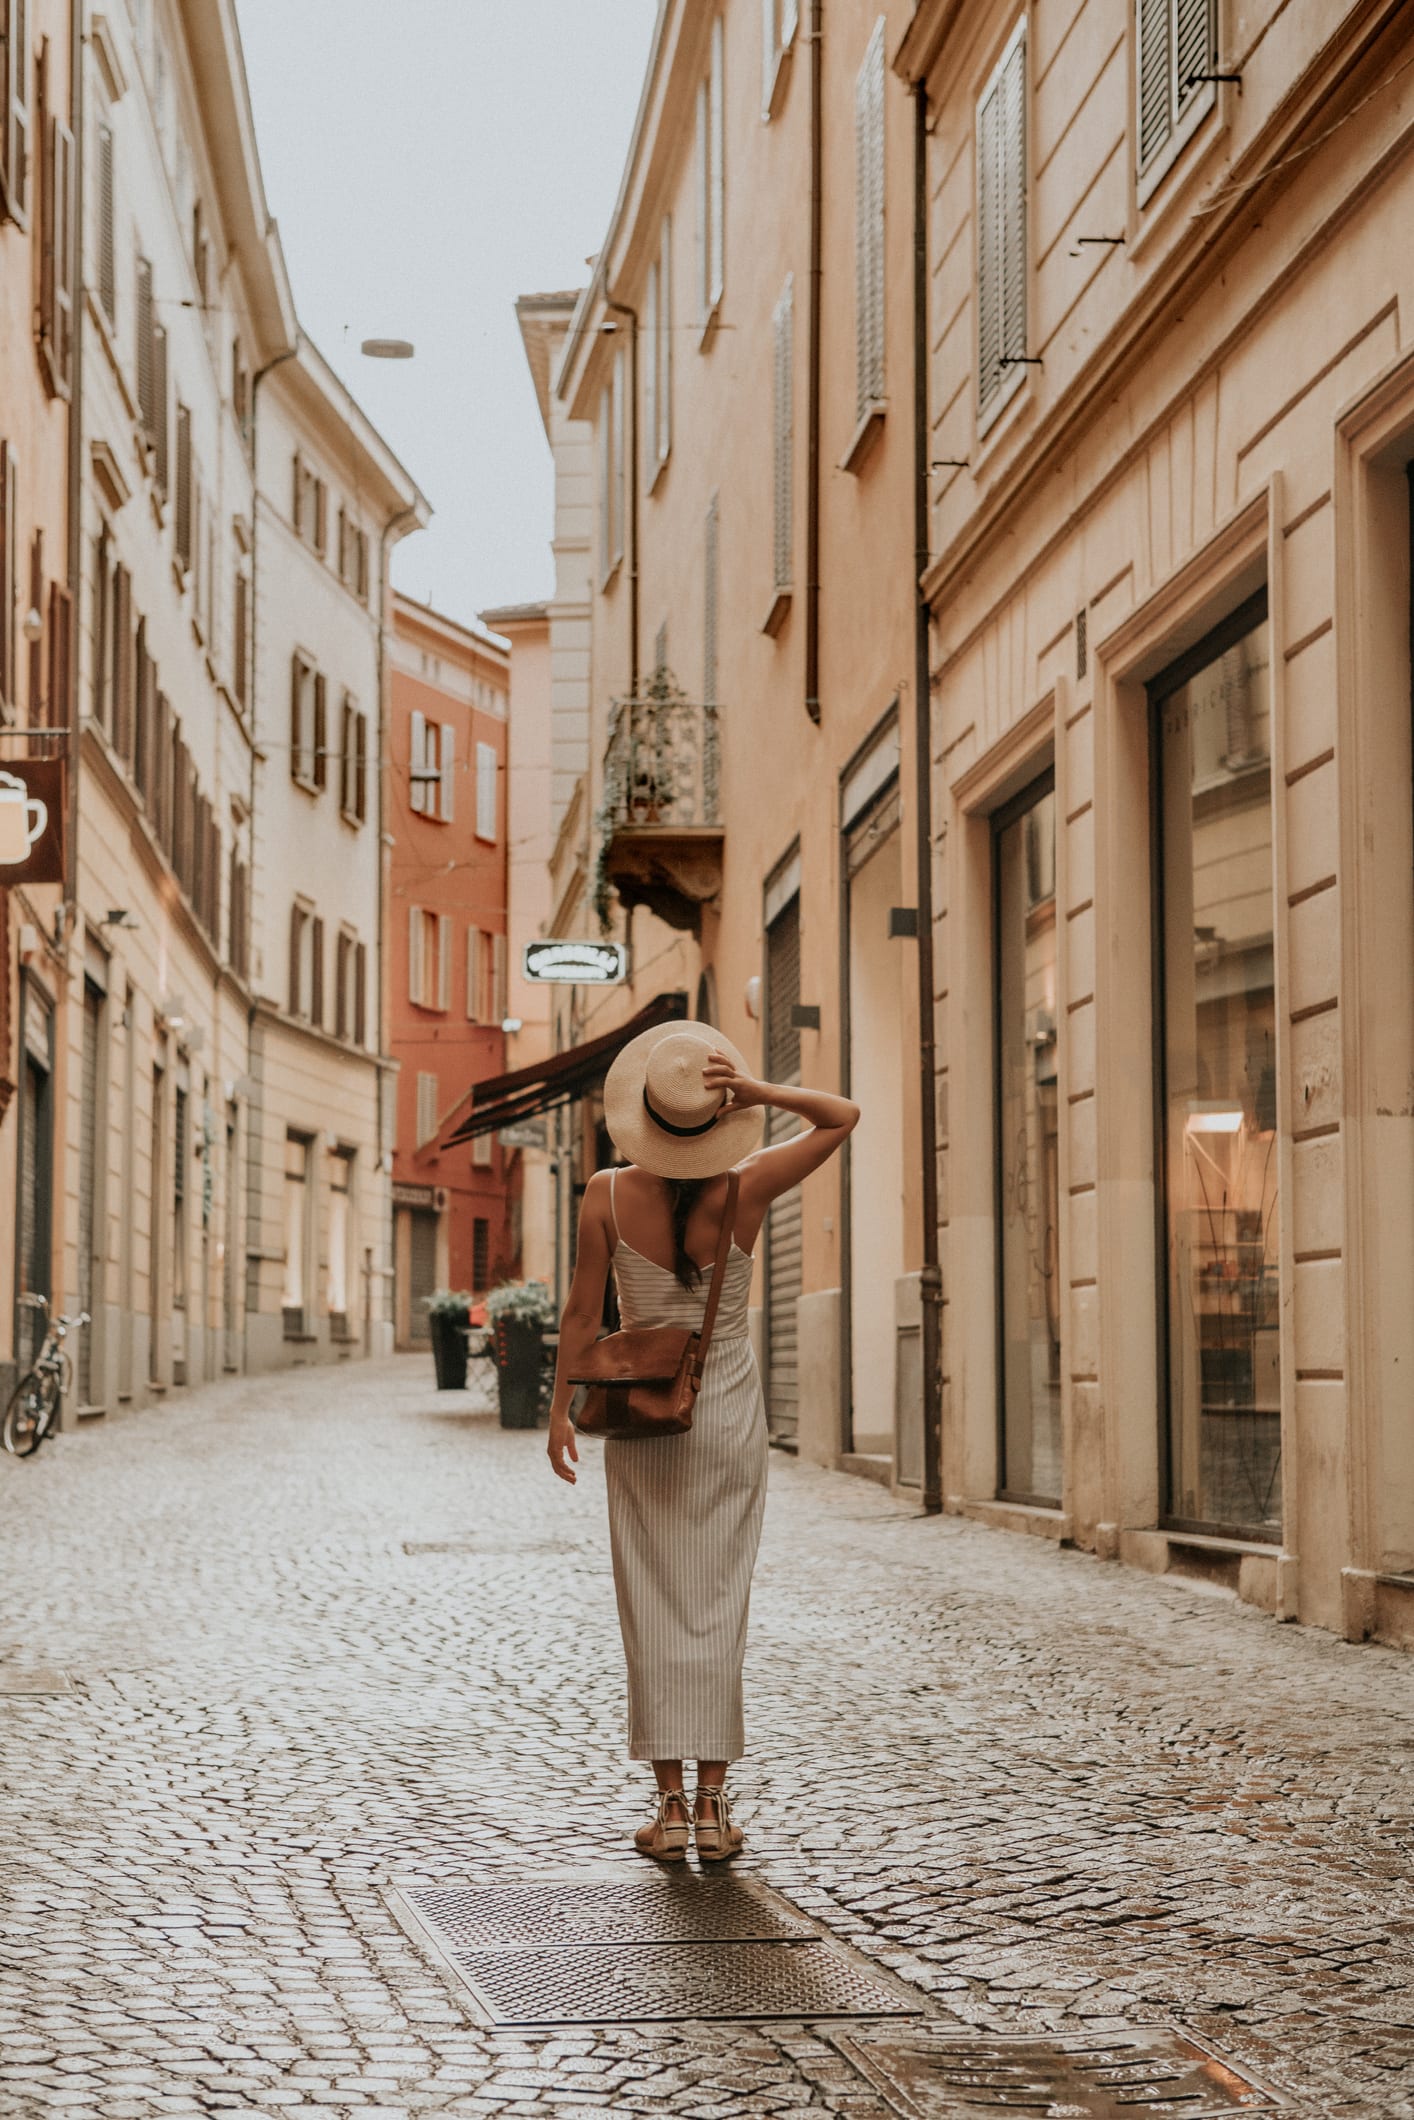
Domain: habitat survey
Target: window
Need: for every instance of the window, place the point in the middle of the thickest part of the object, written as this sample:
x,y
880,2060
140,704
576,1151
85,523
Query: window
x,y
426,1127
480,1240
14,24
238,916
297,1229
1217,1102
200,255
353,770
162,429
780,19
429,958
353,556
308,717
146,378
1001,229
56,281
306,982
432,762
310,505
107,261
486,791
869,227
658,369
783,435
350,973
185,540
342,1259
482,1153
240,638
711,182
240,392
1175,59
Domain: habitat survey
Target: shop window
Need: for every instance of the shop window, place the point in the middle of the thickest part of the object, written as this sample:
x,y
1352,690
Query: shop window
x,y
1027,1147
1217,1088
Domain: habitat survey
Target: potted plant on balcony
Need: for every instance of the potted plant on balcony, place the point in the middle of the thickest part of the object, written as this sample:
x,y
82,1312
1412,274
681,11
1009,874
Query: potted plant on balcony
x,y
448,1314
519,1313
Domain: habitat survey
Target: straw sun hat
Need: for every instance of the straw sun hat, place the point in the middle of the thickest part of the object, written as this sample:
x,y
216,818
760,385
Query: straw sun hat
x,y
662,1115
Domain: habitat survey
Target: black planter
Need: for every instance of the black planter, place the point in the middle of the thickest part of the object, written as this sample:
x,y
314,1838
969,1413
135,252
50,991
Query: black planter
x,y
448,1329
518,1372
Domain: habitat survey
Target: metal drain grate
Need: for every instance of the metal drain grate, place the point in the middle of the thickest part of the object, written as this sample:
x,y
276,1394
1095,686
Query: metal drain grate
x,y
652,1909
661,1948
1146,2070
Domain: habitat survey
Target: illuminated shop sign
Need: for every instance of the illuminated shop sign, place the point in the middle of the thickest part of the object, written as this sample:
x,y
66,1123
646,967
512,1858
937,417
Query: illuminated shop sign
x,y
577,963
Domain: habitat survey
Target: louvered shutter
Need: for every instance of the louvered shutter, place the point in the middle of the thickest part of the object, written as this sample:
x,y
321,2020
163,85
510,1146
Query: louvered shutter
x,y
650,375
710,568
360,766
448,772
1013,277
161,432
184,489
717,144
665,340
416,968
360,994
790,21
473,975
1154,75
444,960
498,979
417,747
485,791
296,937
605,452
297,766
704,203
1001,223
65,245
619,432
316,975
783,431
60,604
869,224
1195,44
107,252
144,345
768,54
320,764
17,126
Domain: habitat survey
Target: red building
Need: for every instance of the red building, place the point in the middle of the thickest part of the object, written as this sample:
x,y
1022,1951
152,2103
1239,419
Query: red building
x,y
454,1218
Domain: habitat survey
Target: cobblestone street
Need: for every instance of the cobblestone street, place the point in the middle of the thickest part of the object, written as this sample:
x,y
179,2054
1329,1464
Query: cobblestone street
x,y
1048,1792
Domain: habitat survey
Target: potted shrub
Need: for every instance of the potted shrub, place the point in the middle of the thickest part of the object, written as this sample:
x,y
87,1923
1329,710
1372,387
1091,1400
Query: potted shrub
x,y
518,1313
448,1313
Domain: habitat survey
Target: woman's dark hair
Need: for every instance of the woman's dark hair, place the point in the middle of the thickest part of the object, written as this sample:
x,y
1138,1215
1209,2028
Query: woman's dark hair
x,y
683,1196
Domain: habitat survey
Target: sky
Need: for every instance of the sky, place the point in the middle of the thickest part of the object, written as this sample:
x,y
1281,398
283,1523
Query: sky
x,y
427,161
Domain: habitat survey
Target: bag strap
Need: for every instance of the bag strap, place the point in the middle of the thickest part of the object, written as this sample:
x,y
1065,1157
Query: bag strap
x,y
719,1267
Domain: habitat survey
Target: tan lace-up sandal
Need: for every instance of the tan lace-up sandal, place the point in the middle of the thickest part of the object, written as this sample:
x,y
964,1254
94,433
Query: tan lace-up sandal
x,y
717,1838
665,1835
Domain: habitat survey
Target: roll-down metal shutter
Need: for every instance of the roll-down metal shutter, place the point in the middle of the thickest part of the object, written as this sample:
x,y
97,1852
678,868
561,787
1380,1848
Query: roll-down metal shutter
x,y
422,1272
783,1221
88,1182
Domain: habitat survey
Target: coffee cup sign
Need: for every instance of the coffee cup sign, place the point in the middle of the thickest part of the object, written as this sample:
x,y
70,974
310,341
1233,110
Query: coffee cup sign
x,y
23,818
32,821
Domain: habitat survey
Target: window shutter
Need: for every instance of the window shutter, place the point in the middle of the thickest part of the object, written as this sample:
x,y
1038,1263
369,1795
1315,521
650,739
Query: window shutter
x,y
416,968
296,937
444,960
321,512
605,440
650,375
448,771
360,994
416,761
65,245
768,54
240,642
1013,278
783,430
361,766
161,423
343,952
107,274
619,427
485,791
297,495
665,340
9,518
1195,43
184,489
710,558
790,21
316,975
1152,76
59,609
498,979
717,258
320,763
102,625
869,224
17,111
123,662
473,975
1001,215
144,345
297,673
704,203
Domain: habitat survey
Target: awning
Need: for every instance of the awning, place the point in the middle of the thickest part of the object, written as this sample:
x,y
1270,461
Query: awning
x,y
559,1078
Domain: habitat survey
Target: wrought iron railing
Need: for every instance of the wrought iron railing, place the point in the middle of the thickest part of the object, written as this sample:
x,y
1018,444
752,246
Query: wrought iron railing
x,y
661,762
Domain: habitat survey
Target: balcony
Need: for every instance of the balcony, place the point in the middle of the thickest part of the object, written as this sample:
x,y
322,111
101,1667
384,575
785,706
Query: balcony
x,y
660,841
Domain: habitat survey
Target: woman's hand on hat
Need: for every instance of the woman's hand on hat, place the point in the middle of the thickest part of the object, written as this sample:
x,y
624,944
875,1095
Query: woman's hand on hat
x,y
721,1073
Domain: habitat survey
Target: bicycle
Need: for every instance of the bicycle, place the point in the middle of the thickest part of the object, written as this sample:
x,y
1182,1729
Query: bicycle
x,y
34,1404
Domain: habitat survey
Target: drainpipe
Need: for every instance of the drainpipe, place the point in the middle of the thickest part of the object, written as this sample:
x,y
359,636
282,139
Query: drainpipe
x,y
930,1278
394,522
622,309
812,391
74,555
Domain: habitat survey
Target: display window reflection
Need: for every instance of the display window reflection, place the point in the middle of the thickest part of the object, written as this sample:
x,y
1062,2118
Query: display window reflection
x,y
1028,1149
1217,1089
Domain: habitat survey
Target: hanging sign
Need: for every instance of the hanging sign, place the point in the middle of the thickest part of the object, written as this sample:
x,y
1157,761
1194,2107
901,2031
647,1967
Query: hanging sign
x,y
576,963
524,1133
32,819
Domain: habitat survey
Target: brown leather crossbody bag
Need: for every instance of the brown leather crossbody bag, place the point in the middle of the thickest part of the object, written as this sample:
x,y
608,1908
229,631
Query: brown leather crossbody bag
x,y
645,1382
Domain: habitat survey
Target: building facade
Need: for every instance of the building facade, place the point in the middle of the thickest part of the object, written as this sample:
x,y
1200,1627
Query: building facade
x,y
455,1209
1172,423
39,443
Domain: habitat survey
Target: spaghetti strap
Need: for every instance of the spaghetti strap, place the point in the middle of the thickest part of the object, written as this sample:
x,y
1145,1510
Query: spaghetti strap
x,y
613,1211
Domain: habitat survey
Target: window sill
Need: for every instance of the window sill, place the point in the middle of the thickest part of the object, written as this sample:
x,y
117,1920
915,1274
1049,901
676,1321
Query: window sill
x,y
777,615
865,437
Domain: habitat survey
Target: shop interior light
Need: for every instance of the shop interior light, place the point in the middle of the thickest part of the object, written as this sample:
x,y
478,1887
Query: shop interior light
x,y
1215,1119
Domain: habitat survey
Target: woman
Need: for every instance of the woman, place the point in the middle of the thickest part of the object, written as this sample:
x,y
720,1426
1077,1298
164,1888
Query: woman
x,y
685,1510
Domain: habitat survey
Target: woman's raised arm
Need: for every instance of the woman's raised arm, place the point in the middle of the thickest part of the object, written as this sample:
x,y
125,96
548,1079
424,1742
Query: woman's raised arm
x,y
774,1170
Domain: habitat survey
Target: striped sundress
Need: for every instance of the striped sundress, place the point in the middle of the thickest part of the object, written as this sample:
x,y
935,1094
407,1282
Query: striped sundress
x,y
685,1522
